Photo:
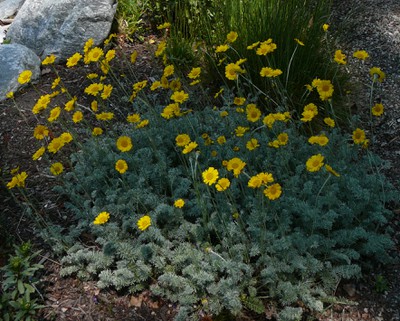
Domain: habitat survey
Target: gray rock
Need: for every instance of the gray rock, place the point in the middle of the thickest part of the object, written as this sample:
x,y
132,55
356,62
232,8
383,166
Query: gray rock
x,y
61,27
9,8
14,59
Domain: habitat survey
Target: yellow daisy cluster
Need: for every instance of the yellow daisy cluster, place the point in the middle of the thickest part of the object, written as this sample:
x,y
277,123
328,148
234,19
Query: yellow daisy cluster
x,y
265,47
271,191
41,104
231,37
271,118
252,144
260,179
324,88
184,141
234,168
320,140
269,72
17,180
235,165
58,142
309,112
253,113
316,162
281,140
233,70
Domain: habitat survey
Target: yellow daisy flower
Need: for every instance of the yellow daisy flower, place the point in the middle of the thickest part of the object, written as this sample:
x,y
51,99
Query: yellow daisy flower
x,y
222,184
266,47
107,89
97,131
377,110
252,144
121,166
189,147
194,73
77,117
55,145
360,54
25,77
94,54
232,36
358,136
179,96
40,132
221,48
329,121
102,218
74,59
94,89
124,143
49,60
340,57
210,176
235,165
56,168
330,170
377,74
253,114
273,191
179,203
269,72
144,222
182,140
105,116
168,70
314,163
39,153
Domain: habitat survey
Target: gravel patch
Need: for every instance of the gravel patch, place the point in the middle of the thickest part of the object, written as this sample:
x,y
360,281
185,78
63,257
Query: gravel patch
x,y
374,26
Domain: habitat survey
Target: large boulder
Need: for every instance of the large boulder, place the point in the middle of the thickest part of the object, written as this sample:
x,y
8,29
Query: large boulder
x,y
8,8
61,27
14,59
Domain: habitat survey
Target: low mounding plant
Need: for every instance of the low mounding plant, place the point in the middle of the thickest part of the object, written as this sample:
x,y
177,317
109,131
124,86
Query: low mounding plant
x,y
214,208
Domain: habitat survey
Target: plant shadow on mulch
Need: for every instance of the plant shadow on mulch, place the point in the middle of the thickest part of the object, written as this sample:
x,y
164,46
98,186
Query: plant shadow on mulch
x,y
74,299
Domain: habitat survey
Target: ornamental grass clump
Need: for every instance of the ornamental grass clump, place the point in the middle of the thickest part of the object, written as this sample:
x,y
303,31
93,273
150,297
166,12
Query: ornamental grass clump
x,y
277,38
213,208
